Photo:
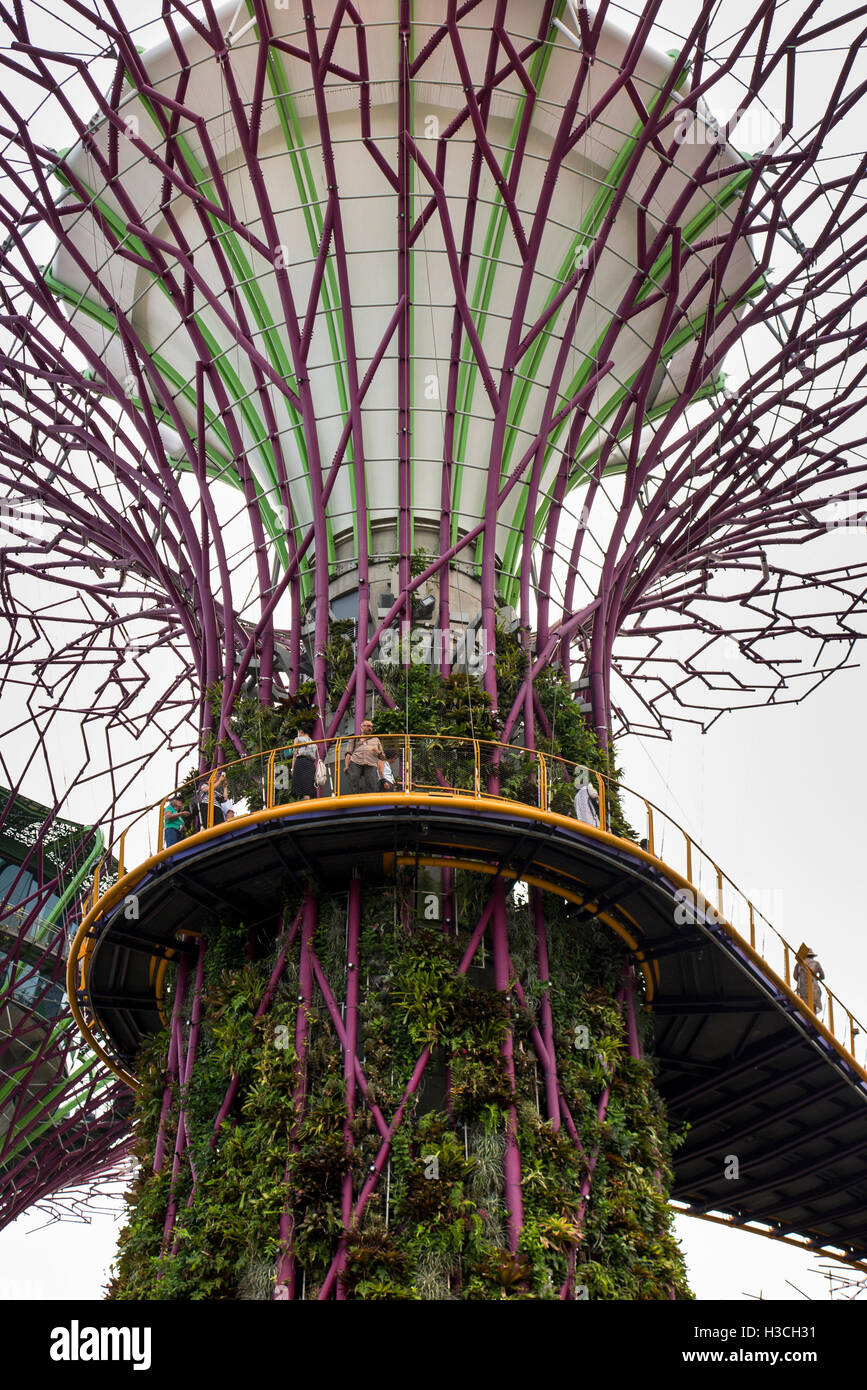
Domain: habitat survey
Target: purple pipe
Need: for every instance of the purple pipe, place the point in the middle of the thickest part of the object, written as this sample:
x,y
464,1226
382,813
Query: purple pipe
x,y
286,1266
264,1006
404,385
548,1058
634,1042
337,1022
601,1112
180,1137
549,1066
173,1065
192,1049
377,1166
512,1159
353,930
415,1080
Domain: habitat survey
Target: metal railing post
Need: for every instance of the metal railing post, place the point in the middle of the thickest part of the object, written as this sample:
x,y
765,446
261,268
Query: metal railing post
x,y
269,781
651,846
603,818
83,961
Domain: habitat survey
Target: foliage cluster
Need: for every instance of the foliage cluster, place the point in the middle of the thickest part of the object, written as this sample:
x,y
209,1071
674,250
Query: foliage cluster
x,y
435,1226
447,709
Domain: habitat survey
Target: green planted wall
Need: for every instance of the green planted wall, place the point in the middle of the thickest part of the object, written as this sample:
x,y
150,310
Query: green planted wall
x,y
436,1225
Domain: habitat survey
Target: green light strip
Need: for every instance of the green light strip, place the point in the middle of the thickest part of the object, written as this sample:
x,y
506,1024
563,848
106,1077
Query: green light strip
x,y
330,292
216,467
484,285
690,233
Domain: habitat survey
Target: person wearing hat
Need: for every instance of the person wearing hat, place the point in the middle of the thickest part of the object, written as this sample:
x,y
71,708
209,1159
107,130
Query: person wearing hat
x,y
807,966
586,798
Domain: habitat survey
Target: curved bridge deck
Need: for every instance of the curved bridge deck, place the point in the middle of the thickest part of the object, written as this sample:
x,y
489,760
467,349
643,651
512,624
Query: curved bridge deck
x,y
776,1103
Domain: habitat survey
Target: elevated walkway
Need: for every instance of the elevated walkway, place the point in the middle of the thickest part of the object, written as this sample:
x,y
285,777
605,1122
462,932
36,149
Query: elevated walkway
x,y
774,1094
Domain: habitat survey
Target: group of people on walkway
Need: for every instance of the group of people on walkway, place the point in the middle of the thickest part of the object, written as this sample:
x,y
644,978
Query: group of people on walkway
x,y
365,769
365,765
182,818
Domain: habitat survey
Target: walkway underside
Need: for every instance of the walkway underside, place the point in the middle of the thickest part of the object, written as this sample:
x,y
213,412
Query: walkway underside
x,y
777,1111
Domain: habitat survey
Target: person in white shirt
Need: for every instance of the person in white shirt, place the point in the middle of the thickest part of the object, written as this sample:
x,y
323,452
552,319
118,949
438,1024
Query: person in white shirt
x,y
222,798
586,798
202,805
807,965
304,755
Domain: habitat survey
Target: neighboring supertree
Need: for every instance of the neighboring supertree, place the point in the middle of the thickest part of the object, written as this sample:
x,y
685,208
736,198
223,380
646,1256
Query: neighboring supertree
x,y
842,1284
63,1121
382,317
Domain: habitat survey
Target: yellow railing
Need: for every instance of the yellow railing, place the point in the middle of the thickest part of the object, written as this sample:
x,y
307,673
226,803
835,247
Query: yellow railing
x,y
442,766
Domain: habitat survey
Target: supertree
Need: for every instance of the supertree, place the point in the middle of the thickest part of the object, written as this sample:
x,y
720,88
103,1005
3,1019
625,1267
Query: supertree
x,y
63,1120
522,372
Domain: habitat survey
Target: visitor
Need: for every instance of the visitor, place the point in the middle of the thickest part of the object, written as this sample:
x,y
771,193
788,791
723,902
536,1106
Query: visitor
x,y
222,798
363,760
586,799
202,798
807,966
386,777
174,826
304,758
